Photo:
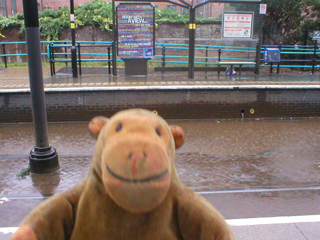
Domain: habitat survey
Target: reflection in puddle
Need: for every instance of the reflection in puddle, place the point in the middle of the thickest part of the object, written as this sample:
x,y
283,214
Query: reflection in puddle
x,y
217,154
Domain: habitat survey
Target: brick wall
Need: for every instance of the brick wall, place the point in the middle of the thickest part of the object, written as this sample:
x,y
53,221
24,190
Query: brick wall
x,y
171,104
56,4
206,34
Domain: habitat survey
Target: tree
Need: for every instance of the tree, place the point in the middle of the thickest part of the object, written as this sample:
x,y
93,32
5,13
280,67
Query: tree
x,y
292,19
289,21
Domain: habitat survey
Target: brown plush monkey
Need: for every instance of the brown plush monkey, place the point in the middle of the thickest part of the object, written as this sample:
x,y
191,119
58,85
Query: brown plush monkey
x,y
131,192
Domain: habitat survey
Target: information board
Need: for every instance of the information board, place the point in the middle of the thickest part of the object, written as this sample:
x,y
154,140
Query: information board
x,y
316,35
135,22
237,25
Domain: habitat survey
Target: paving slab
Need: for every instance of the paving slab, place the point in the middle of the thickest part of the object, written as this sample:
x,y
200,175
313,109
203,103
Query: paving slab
x,y
311,231
269,232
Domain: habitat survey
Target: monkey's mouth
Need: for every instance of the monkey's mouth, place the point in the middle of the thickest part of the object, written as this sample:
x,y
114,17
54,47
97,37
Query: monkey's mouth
x,y
147,179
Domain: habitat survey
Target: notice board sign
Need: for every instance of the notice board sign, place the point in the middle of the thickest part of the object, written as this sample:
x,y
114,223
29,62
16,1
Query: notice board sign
x,y
237,24
136,25
316,35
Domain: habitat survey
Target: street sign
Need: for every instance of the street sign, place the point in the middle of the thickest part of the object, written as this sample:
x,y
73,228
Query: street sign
x,y
263,9
237,25
316,35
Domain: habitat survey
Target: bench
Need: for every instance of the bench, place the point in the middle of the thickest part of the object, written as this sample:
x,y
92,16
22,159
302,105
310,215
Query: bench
x,y
237,63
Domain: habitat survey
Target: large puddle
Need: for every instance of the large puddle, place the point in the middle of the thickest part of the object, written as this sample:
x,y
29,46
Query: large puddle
x,y
218,154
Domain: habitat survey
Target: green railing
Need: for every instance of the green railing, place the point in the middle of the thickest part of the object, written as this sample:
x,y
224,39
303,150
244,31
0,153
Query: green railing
x,y
170,54
104,54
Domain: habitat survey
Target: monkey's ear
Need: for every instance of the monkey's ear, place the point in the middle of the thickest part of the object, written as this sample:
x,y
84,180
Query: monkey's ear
x,y
178,135
96,125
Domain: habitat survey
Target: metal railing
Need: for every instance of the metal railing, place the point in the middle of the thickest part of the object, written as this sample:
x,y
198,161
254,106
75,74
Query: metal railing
x,y
65,56
295,56
170,55
207,57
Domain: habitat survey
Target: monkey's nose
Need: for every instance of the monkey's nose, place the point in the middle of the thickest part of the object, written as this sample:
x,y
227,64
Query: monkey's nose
x,y
136,156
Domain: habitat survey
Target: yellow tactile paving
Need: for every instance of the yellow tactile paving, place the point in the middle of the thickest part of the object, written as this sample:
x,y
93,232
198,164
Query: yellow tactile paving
x,y
18,78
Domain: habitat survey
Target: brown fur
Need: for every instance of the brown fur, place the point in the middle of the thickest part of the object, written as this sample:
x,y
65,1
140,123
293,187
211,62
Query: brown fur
x,y
131,192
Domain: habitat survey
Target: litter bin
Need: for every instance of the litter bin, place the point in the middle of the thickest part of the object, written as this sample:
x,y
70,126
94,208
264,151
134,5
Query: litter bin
x,y
272,55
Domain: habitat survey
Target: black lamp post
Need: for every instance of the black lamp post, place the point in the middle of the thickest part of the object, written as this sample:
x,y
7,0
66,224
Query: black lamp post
x,y
73,40
192,34
43,158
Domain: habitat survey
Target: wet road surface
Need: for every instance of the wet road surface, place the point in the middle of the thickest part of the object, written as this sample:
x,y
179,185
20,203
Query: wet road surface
x,y
245,168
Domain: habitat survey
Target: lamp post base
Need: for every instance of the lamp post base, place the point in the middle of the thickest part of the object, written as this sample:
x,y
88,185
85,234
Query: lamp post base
x,y
43,160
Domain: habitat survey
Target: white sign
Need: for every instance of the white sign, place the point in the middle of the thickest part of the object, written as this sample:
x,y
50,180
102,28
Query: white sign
x,y
316,35
263,9
72,17
237,25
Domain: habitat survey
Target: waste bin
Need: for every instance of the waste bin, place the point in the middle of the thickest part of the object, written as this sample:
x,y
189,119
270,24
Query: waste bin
x,y
272,55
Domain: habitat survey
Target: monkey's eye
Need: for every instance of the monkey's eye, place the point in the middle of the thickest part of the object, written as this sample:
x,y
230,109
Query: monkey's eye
x,y
158,131
119,127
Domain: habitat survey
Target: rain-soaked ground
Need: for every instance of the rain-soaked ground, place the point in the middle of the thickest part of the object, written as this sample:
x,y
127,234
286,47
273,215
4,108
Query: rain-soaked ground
x,y
217,155
259,169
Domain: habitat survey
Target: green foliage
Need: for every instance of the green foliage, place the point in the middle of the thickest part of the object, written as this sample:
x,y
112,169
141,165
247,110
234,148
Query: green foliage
x,y
52,22
23,173
290,19
285,18
169,15
11,21
293,19
97,12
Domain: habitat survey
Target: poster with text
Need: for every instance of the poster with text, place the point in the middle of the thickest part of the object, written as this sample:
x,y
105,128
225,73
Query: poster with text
x,y
135,30
237,25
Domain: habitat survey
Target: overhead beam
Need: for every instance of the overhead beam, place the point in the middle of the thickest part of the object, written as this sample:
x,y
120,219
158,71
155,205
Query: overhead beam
x,y
227,1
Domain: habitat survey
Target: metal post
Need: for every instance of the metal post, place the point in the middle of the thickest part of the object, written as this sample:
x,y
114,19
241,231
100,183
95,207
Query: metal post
x,y
79,56
260,41
278,66
219,59
65,53
305,41
207,55
73,40
163,64
109,66
314,56
192,32
258,56
4,55
50,59
53,61
114,44
43,158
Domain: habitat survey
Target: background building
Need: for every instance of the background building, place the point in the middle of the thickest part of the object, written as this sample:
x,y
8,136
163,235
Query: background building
x,y
12,7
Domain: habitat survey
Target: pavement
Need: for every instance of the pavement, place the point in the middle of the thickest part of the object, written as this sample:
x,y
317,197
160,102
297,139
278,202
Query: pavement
x,y
17,79
263,176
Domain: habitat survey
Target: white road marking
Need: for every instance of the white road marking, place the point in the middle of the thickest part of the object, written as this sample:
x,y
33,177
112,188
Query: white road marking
x,y
273,220
259,190
236,222
7,230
